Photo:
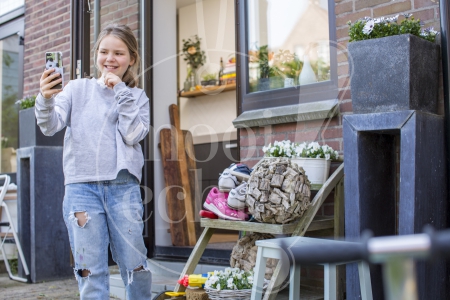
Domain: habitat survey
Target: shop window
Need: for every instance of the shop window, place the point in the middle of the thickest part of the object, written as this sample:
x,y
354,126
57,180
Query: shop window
x,y
286,52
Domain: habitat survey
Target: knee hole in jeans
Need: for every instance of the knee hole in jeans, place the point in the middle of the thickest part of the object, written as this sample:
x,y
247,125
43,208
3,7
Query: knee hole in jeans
x,y
81,218
84,273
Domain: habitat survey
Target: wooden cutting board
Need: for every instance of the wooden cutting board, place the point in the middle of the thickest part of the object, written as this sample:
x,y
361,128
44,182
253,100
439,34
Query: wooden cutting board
x,y
175,207
183,194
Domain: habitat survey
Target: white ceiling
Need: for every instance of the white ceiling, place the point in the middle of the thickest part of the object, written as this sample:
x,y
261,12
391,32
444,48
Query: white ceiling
x,y
182,3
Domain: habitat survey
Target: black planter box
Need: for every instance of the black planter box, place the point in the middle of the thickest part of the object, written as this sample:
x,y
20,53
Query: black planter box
x,y
31,135
394,73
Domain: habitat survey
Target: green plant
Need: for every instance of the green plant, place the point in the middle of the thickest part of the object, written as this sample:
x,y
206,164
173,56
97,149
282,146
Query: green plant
x,y
4,141
263,59
14,264
368,28
210,76
26,102
286,64
292,150
193,53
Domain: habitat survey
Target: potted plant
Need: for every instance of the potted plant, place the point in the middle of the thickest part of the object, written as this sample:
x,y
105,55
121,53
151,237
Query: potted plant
x,y
29,132
209,79
394,65
194,57
314,158
232,283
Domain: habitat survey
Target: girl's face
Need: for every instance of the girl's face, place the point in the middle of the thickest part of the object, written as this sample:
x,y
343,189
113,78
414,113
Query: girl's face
x,y
113,56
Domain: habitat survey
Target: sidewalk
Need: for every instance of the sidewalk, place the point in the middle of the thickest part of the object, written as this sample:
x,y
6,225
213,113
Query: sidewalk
x,y
67,288
60,289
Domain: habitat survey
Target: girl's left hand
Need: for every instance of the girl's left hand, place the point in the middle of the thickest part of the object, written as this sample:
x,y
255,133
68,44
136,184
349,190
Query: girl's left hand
x,y
111,80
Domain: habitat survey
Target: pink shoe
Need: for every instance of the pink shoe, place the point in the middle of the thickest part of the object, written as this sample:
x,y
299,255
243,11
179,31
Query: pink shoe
x,y
217,203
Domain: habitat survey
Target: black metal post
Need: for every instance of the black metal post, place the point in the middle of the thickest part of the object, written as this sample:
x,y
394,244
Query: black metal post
x,y
445,26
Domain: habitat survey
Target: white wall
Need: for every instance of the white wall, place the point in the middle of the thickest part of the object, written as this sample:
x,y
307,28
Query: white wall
x,y
208,117
164,94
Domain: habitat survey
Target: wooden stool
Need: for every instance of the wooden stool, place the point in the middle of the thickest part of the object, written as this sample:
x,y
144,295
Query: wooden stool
x,y
272,249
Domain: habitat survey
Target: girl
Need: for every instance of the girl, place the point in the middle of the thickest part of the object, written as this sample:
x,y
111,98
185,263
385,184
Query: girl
x,y
105,119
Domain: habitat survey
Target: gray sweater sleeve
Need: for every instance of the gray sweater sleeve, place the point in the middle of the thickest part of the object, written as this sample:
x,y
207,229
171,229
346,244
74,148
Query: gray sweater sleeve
x,y
52,115
134,114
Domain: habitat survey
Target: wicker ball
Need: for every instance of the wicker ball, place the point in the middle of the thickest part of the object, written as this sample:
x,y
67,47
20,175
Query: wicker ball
x,y
244,253
279,191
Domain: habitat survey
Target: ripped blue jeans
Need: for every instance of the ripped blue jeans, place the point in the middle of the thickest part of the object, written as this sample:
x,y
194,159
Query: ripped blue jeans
x,y
112,215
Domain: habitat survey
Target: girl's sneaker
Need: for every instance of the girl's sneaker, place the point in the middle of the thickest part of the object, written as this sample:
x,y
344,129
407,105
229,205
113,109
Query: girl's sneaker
x,y
236,198
241,171
207,214
227,182
217,203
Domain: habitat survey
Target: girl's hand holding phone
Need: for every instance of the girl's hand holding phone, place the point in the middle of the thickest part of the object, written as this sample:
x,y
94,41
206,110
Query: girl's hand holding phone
x,y
47,84
111,79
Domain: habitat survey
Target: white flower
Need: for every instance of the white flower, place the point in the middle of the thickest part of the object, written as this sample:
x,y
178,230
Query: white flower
x,y
288,149
218,287
230,283
368,27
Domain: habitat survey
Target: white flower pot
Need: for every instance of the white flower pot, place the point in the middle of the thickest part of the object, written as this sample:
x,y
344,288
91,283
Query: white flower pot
x,y
317,169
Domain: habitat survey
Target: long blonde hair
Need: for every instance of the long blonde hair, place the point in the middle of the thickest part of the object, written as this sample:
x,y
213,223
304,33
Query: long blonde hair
x,y
124,33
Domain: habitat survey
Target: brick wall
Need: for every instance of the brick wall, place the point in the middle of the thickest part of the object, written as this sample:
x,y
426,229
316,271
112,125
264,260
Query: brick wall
x,y
116,11
47,28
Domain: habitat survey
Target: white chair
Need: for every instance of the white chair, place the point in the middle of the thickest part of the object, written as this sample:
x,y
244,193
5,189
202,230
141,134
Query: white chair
x,y
10,234
272,248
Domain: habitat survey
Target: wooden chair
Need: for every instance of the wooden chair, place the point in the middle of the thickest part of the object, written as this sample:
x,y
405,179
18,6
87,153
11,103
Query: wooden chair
x,y
11,234
308,222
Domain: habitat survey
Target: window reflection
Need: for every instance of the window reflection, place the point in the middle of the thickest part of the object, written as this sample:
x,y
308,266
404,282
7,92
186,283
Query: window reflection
x,y
288,43
9,82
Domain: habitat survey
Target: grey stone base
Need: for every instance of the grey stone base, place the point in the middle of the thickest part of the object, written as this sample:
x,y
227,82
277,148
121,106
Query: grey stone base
x,y
42,230
370,191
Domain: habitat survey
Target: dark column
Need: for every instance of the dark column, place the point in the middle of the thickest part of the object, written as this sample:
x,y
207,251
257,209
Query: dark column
x,y
369,151
42,231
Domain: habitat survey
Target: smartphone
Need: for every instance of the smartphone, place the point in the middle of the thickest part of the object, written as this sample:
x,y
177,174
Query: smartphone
x,y
54,60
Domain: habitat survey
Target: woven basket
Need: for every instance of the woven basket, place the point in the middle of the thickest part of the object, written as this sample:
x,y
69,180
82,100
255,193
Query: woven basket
x,y
229,294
